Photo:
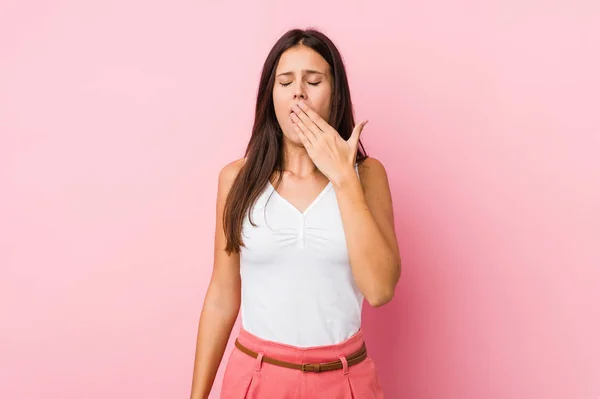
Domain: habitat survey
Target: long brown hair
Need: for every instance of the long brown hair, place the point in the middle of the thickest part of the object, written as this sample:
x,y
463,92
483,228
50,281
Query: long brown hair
x,y
264,154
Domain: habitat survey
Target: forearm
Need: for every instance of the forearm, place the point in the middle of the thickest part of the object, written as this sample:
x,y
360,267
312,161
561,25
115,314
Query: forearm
x,y
374,263
214,329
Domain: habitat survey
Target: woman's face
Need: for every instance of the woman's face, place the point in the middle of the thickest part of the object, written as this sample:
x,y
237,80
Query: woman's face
x,y
301,75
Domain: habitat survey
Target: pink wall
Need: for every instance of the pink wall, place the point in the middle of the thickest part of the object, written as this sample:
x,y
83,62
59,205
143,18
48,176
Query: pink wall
x,y
115,118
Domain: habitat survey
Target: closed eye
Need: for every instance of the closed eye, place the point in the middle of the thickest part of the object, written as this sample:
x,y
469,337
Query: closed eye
x,y
287,84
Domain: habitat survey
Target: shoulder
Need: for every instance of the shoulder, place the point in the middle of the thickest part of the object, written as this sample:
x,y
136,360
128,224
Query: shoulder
x,y
228,173
372,173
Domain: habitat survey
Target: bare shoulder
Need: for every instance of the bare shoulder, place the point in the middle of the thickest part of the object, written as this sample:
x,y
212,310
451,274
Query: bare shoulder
x,y
372,174
227,175
230,171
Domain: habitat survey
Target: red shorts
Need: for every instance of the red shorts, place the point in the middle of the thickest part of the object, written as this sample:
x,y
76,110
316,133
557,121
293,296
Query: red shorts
x,y
248,377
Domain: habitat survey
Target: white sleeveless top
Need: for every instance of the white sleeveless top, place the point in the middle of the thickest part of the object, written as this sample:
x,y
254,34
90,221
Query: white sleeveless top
x,y
297,286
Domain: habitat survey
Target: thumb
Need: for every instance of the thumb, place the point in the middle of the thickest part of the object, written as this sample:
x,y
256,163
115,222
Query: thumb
x,y
355,136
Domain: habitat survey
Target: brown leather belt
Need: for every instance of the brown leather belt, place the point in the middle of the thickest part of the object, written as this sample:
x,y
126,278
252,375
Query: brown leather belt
x,y
352,359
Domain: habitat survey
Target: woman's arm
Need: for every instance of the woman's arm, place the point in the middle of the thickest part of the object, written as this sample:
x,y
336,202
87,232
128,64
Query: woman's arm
x,y
222,301
368,218
366,210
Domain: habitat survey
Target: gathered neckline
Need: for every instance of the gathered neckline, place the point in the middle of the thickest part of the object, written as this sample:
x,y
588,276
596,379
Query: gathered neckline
x,y
310,206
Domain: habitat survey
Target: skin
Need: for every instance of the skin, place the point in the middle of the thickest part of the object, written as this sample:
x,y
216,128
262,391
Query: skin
x,y
314,156
301,75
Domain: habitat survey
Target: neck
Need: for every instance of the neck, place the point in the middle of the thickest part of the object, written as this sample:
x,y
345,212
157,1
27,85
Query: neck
x,y
297,161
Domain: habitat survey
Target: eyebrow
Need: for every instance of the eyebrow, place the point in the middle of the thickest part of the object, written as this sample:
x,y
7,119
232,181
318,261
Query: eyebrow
x,y
307,71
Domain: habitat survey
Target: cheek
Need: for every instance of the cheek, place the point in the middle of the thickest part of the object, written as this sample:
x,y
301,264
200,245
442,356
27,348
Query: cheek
x,y
323,102
281,106
324,109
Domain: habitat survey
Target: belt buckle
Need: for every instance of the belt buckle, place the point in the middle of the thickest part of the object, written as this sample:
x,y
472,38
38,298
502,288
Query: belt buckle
x,y
306,367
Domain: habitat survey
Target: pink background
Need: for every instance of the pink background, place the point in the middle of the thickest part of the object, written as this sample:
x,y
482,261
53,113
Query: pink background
x,y
115,118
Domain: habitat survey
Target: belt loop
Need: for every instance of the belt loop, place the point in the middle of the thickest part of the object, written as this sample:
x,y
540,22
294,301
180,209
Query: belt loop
x,y
259,361
344,364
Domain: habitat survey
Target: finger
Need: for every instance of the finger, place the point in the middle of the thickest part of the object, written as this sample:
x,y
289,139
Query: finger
x,y
308,122
301,135
310,135
303,139
316,119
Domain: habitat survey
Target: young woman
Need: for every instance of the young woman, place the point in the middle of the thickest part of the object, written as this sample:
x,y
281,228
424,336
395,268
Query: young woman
x,y
304,233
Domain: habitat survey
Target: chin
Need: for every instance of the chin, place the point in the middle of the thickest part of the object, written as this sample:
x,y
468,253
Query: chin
x,y
294,140
291,136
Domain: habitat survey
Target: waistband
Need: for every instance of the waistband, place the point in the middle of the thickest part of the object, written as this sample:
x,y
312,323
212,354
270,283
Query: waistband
x,y
295,354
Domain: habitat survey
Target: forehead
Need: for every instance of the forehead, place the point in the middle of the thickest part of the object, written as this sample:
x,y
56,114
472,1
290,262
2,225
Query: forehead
x,y
299,58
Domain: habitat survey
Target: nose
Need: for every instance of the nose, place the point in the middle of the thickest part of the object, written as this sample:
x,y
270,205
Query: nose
x,y
299,92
